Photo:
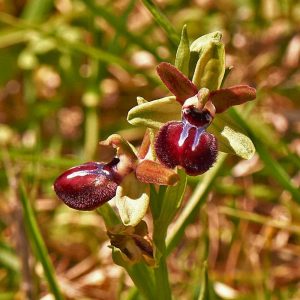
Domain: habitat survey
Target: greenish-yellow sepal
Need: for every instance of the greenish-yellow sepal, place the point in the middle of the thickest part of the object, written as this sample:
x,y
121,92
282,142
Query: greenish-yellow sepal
x,y
240,143
232,141
156,113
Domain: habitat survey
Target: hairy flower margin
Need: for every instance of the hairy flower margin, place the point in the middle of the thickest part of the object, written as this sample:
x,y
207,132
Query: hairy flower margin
x,y
185,130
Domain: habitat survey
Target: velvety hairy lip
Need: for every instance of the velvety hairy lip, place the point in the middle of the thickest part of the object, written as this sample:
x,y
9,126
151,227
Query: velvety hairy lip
x,y
87,186
191,147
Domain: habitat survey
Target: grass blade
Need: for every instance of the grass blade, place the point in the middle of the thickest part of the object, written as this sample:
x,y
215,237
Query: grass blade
x,y
163,22
11,37
91,51
119,26
36,10
9,260
38,243
274,168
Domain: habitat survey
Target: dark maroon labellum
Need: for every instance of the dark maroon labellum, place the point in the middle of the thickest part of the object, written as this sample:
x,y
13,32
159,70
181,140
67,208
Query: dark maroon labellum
x,y
89,185
185,145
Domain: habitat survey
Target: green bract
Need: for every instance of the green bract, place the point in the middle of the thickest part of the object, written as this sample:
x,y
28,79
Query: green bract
x,y
132,200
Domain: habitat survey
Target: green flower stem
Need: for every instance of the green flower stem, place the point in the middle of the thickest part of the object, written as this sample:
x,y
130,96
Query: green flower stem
x,y
39,245
162,284
196,201
142,277
164,206
163,290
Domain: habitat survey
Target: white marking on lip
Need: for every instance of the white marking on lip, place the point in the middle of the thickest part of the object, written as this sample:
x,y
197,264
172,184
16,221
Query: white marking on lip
x,y
106,172
184,134
198,134
76,174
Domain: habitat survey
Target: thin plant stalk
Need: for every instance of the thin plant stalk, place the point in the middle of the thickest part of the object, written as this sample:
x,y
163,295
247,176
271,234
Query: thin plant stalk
x,y
91,133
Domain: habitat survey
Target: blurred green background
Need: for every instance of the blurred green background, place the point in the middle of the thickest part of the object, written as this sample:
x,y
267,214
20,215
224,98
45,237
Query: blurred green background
x,y
69,73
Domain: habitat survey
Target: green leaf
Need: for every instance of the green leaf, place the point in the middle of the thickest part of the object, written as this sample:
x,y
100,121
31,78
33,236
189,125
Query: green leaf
x,y
182,59
210,68
156,113
204,292
132,200
226,74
